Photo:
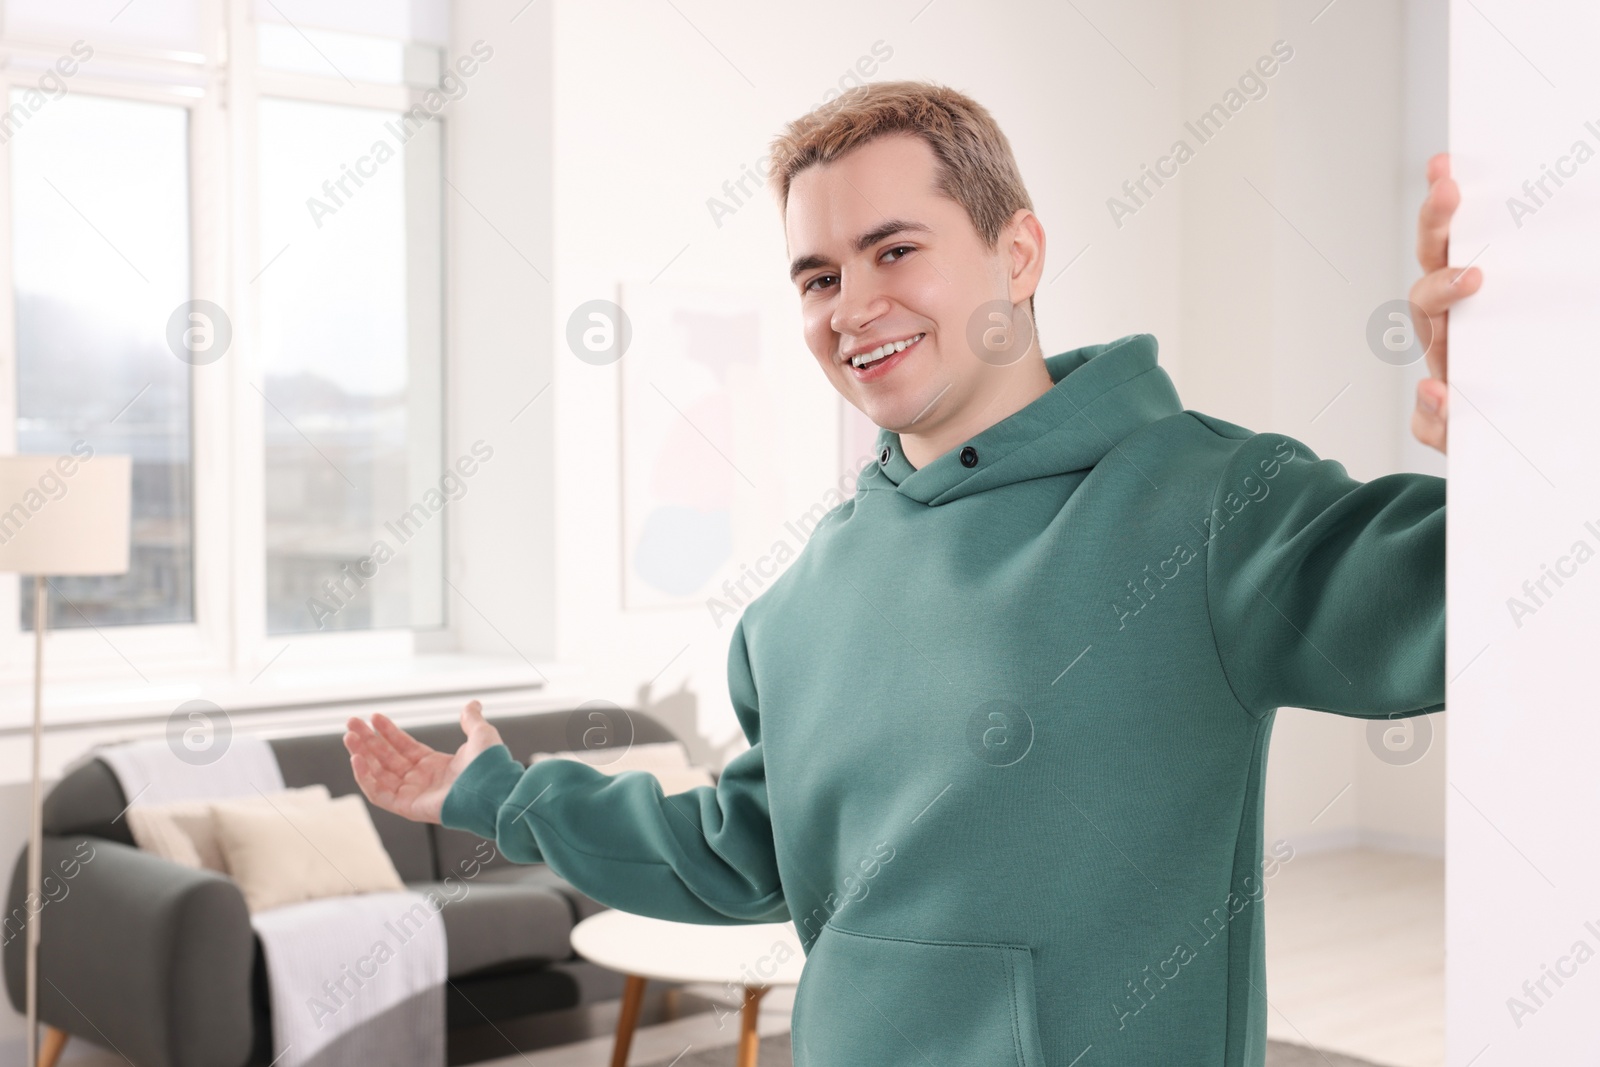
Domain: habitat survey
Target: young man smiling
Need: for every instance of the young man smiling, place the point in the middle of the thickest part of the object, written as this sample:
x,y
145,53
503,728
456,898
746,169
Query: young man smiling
x,y
1038,653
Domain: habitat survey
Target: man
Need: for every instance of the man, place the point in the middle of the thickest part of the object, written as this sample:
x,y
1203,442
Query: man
x,y
1008,711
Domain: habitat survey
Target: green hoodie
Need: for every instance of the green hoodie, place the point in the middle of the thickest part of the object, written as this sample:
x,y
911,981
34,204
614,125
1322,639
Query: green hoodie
x,y
1008,719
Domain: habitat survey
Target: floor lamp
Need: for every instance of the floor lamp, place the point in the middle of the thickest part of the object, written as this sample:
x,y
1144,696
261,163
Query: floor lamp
x,y
59,515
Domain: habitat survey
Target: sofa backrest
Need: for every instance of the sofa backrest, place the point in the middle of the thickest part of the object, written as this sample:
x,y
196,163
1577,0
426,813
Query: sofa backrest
x,y
88,800
563,731
322,758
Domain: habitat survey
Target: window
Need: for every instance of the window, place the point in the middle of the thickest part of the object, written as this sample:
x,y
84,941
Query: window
x,y
100,252
349,345
227,286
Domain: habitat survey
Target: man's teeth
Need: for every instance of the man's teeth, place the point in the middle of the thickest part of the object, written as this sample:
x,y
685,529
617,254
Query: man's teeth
x,y
885,350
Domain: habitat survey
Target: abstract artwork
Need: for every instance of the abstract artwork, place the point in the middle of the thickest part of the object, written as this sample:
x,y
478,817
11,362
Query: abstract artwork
x,y
691,398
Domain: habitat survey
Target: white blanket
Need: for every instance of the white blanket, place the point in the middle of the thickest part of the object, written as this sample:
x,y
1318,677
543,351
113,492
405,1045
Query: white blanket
x,y
356,980
353,980
150,772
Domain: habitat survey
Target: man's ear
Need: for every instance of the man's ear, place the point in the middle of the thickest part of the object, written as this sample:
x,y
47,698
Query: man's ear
x,y
1023,239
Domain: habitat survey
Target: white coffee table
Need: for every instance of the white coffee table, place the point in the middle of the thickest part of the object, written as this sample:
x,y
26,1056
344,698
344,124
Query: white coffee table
x,y
748,958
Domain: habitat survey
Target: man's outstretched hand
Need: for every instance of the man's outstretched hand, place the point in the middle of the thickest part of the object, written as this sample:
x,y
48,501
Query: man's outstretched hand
x,y
1440,286
401,774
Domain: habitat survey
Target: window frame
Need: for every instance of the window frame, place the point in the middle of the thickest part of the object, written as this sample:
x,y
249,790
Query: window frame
x,y
228,637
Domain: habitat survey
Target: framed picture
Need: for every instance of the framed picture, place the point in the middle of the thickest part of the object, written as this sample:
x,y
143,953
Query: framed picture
x,y
694,431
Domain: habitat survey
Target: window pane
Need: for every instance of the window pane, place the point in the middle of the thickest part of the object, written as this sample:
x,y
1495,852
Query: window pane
x,y
100,217
350,336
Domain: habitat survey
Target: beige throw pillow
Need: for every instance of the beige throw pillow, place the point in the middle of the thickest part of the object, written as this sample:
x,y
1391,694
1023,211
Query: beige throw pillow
x,y
169,831
184,832
303,852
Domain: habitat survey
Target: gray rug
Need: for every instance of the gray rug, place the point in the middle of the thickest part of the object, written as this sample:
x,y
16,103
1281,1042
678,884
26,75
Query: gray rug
x,y
775,1053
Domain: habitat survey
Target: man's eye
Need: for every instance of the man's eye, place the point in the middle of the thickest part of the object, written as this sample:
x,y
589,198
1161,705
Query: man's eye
x,y
898,249
813,286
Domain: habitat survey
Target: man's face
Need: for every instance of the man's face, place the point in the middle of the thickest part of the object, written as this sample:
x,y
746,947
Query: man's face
x,y
883,257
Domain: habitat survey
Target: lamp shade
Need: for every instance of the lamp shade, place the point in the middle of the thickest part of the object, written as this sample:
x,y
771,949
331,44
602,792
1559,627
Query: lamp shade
x,y
65,515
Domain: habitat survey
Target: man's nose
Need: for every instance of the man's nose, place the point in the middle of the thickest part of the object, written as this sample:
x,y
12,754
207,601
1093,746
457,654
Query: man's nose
x,y
860,304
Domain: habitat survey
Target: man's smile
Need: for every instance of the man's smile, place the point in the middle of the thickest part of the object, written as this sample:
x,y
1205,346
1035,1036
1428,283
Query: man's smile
x,y
870,363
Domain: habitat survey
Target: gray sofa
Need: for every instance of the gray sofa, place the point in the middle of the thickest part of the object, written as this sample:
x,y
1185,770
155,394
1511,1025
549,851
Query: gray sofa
x,y
160,961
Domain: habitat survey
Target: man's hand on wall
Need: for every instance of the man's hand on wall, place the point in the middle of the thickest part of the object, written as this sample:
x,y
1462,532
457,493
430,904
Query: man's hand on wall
x,y
1440,286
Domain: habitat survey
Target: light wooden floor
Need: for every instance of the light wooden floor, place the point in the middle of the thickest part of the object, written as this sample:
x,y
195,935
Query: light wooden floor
x,y
1355,955
1355,964
666,1041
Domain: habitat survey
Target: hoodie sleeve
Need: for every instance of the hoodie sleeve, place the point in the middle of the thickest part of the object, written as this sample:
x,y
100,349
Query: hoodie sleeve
x,y
702,856
1325,592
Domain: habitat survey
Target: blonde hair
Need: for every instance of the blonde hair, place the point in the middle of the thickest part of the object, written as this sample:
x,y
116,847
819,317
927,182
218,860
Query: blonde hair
x,y
975,167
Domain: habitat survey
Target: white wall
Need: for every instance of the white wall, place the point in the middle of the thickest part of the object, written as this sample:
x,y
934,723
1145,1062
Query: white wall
x,y
587,148
1523,884
499,226
1253,323
1298,220
645,137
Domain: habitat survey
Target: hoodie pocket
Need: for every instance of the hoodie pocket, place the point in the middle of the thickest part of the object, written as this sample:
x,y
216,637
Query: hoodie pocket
x,y
891,1001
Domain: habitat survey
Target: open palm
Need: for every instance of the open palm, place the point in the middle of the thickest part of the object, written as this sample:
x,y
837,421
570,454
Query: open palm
x,y
398,773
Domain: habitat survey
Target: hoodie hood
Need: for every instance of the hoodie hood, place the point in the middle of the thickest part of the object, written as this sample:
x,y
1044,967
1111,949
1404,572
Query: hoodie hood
x,y
1102,394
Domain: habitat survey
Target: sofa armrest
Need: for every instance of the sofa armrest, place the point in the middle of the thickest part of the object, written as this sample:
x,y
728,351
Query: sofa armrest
x,y
135,952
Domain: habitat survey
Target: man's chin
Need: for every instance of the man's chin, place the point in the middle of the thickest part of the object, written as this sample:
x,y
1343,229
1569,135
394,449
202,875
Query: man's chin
x,y
910,411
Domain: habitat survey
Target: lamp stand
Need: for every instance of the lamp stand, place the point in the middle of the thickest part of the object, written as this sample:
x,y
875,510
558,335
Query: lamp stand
x,y
36,833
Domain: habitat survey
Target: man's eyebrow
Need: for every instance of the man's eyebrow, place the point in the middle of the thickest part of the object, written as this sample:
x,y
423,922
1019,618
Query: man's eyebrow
x,y
864,242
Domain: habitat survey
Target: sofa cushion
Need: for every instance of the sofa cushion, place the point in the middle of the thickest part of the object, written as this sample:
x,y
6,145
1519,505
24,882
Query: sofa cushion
x,y
88,800
540,874
667,761
286,854
525,735
646,756
323,758
489,923
185,832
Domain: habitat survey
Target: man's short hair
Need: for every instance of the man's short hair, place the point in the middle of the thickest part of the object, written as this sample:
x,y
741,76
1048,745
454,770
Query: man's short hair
x,y
975,166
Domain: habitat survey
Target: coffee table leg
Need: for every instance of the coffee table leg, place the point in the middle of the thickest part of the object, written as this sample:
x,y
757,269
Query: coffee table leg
x,y
632,999
749,1040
